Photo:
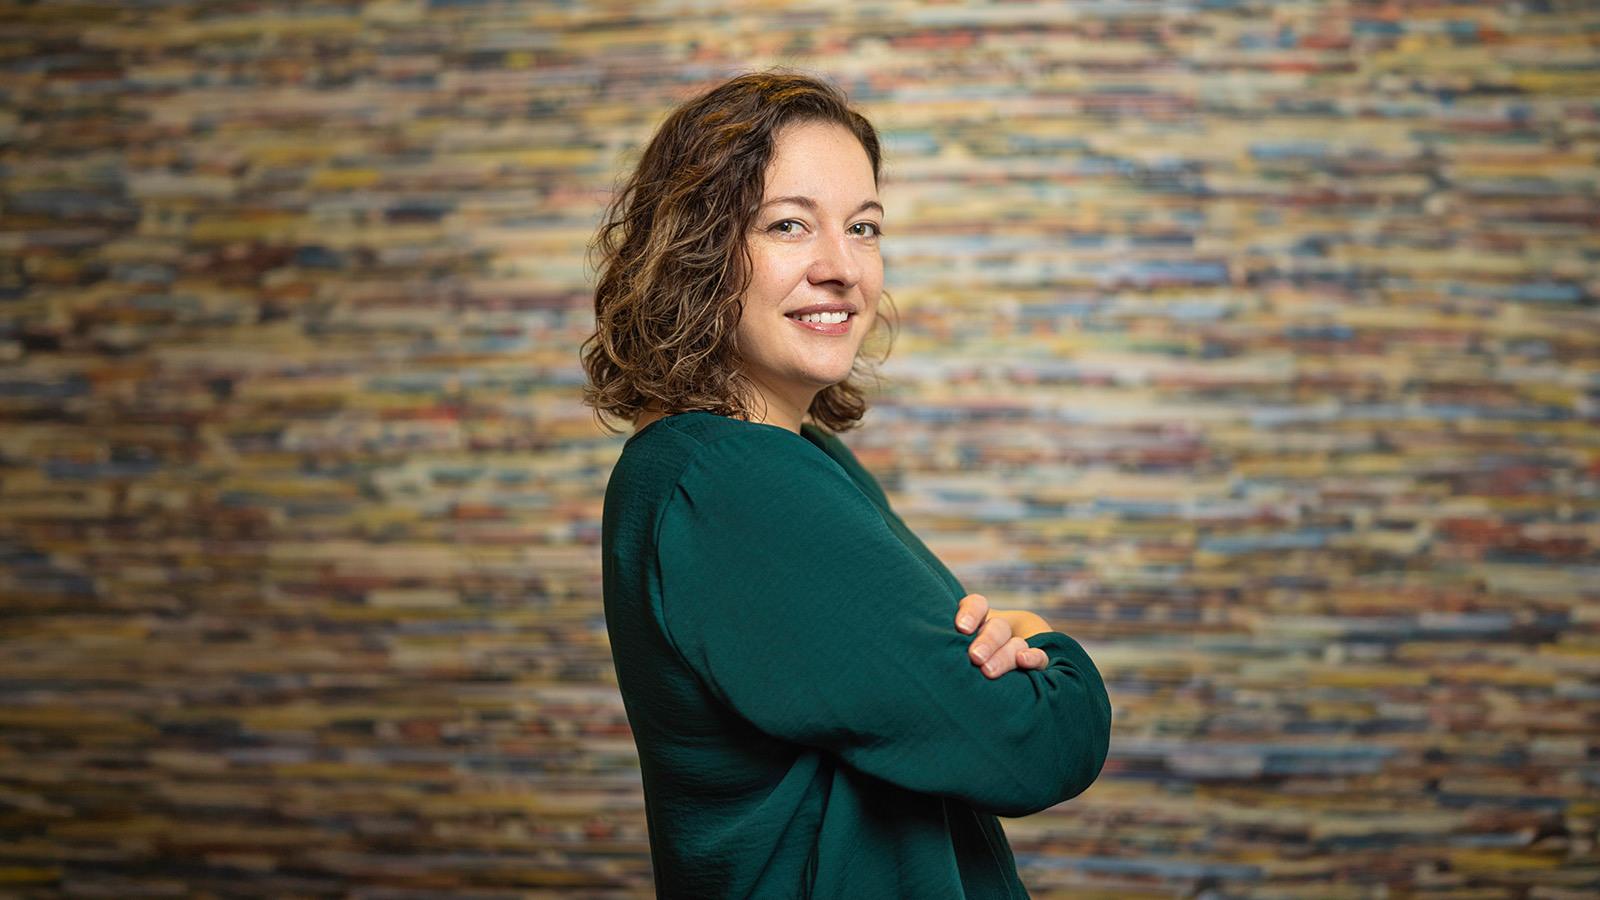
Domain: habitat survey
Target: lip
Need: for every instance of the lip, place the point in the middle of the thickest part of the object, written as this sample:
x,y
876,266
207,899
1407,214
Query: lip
x,y
830,328
822,307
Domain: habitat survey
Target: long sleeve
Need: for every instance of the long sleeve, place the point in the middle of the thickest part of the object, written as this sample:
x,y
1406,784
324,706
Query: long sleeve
x,y
789,596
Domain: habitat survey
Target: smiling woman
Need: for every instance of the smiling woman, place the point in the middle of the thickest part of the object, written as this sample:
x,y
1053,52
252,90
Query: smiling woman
x,y
699,222
815,275
821,709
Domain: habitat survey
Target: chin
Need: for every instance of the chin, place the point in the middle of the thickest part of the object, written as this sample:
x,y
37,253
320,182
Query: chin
x,y
828,380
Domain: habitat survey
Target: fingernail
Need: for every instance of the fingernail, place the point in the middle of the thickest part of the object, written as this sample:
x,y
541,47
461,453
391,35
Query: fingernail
x,y
964,621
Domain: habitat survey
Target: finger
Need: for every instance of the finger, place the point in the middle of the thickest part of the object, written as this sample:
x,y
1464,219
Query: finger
x,y
1004,659
970,612
994,633
1032,658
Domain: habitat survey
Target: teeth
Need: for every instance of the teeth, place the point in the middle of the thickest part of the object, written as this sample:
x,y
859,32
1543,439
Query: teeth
x,y
824,318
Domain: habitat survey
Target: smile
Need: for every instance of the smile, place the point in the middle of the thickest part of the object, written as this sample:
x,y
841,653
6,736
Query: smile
x,y
832,323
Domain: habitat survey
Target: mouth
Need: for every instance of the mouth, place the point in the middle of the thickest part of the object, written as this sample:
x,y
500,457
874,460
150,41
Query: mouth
x,y
831,321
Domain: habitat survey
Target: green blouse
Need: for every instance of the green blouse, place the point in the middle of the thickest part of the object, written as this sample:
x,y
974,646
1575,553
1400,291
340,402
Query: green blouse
x,y
807,718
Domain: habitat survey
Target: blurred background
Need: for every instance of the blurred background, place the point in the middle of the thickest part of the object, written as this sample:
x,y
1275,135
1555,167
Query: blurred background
x,y
1254,344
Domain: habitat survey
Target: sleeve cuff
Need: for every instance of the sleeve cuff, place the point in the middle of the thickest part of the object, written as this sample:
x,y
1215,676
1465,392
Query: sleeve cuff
x,y
1059,646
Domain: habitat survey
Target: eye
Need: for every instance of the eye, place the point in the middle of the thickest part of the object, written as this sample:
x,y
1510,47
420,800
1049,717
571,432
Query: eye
x,y
866,229
787,226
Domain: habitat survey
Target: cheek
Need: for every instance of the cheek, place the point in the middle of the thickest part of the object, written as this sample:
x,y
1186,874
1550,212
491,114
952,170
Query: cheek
x,y
771,278
875,259
872,277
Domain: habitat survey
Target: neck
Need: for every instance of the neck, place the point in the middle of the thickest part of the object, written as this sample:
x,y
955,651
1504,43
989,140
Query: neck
x,y
776,408
769,410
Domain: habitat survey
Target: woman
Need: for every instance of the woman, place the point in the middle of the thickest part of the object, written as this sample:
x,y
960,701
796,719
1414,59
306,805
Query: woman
x,y
813,716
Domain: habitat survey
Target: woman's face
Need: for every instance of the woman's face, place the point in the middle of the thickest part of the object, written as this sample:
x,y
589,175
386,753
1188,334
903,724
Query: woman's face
x,y
814,253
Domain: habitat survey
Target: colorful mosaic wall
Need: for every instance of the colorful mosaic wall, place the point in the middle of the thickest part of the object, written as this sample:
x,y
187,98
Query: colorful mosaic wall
x,y
1256,344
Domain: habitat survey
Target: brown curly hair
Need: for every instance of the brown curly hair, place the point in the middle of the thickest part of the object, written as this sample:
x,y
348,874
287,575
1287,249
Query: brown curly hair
x,y
673,258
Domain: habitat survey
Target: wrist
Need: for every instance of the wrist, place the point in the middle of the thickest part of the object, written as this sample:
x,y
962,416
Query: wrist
x,y
1025,624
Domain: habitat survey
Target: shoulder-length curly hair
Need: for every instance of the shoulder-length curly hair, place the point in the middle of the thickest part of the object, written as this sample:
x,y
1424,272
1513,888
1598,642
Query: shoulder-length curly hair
x,y
673,256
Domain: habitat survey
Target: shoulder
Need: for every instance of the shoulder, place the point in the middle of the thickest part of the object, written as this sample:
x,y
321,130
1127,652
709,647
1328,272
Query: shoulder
x,y
732,451
708,428
710,456
702,433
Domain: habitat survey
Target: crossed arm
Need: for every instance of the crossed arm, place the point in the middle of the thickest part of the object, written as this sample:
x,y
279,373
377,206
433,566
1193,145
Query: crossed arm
x,y
799,609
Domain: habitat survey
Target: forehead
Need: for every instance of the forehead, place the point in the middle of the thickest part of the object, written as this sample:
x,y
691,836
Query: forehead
x,y
820,157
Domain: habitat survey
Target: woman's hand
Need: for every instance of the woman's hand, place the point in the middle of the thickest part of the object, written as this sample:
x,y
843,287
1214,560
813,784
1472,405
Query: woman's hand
x,y
1000,645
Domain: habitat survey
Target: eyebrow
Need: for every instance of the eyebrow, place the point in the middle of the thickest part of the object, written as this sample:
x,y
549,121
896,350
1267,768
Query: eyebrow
x,y
811,204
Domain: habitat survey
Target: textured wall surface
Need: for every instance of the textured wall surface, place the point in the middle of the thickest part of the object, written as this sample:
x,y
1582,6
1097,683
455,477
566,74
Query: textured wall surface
x,y
1255,344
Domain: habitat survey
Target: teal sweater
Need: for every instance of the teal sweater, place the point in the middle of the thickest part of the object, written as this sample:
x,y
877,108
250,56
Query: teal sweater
x,y
807,718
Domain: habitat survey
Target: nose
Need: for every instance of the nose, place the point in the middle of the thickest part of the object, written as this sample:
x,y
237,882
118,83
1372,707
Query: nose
x,y
835,262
